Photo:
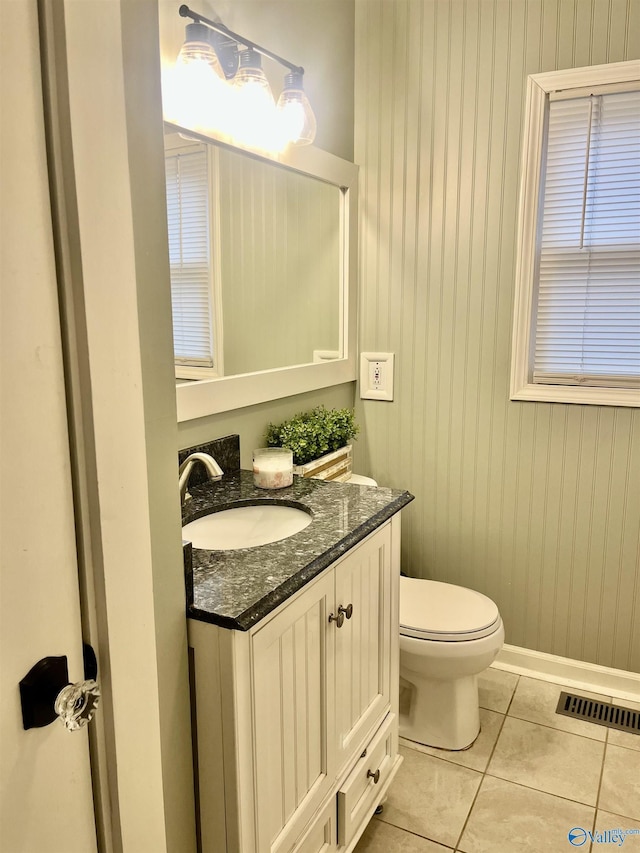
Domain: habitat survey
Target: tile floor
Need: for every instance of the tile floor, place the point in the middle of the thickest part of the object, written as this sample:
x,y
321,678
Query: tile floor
x,y
530,777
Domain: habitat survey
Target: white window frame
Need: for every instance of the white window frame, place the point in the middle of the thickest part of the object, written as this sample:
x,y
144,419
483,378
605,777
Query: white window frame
x,y
175,144
539,87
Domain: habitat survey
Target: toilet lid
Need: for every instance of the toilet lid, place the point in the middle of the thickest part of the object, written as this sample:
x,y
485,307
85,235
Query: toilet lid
x,y
432,610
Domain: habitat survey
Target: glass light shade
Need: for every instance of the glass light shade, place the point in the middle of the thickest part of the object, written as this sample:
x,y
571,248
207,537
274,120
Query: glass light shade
x,y
250,72
254,110
298,123
197,49
297,118
195,92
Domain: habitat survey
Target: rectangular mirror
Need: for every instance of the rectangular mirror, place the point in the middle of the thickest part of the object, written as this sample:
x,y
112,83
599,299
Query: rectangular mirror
x,y
262,255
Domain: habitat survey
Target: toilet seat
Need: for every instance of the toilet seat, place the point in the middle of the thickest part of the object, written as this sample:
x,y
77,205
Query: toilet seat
x,y
443,612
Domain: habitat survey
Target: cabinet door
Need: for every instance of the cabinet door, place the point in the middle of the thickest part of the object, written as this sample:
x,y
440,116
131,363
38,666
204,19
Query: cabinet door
x,y
321,837
363,642
293,678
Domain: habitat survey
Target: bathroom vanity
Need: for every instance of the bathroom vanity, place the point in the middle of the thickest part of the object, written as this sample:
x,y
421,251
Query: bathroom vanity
x,y
294,669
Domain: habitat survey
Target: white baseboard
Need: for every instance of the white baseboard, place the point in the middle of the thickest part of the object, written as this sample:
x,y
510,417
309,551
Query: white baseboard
x,y
616,683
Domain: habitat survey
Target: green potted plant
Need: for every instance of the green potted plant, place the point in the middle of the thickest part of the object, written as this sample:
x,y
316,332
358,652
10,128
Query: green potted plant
x,y
319,440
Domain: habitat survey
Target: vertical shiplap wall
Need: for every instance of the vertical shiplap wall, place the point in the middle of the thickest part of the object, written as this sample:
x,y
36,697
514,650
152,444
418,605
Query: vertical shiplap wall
x,y
536,505
279,264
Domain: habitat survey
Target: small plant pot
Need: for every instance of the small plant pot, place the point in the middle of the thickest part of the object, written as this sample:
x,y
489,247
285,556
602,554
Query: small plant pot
x,y
331,466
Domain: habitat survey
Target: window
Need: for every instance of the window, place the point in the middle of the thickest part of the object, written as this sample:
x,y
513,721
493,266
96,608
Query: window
x,y
577,313
196,339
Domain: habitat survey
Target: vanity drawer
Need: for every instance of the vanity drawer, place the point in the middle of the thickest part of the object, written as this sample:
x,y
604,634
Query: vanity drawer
x,y
363,785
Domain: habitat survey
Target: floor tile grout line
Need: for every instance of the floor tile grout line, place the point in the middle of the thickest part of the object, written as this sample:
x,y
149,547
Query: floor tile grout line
x,y
604,758
484,776
619,746
466,820
540,790
556,729
620,816
415,834
595,814
513,693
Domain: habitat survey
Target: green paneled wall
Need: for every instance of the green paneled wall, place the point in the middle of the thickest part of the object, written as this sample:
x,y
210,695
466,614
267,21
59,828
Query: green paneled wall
x,y
536,505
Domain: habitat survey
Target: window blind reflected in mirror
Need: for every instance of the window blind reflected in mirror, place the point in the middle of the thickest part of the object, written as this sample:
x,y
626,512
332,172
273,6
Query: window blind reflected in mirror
x,y
188,216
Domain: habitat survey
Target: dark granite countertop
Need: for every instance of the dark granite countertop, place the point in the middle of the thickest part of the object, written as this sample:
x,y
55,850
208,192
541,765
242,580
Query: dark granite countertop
x,y
236,589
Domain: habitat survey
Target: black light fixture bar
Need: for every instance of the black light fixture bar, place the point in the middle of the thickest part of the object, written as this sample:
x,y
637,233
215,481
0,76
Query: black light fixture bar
x,y
186,12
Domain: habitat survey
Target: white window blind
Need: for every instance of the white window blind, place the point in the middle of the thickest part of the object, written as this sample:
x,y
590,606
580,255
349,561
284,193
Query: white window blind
x,y
190,257
587,327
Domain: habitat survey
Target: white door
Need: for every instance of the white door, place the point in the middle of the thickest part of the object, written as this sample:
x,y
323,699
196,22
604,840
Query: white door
x,y
46,802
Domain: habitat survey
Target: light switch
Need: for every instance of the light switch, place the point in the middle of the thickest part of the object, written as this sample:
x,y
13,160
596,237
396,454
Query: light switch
x,y
376,376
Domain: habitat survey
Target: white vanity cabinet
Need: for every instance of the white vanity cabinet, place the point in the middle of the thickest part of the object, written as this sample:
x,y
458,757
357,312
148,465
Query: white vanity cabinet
x,y
296,719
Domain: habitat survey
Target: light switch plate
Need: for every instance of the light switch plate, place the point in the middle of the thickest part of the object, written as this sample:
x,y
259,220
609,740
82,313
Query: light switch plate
x,y
376,375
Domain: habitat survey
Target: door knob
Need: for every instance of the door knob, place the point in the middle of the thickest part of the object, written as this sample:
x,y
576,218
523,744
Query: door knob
x,y
46,694
77,703
348,610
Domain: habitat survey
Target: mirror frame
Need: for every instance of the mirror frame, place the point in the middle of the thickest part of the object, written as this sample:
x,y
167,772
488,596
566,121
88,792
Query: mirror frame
x,y
205,397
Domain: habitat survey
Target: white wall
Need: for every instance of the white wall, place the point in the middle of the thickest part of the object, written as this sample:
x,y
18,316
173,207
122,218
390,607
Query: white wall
x,y
536,505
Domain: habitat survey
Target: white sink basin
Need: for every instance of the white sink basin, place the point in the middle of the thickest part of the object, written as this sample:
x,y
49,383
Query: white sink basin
x,y
245,526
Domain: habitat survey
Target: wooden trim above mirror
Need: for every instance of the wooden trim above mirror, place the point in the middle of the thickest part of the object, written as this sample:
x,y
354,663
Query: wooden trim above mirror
x,y
205,397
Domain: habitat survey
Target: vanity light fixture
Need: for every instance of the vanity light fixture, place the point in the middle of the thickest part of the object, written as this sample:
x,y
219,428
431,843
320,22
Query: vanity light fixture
x,y
218,85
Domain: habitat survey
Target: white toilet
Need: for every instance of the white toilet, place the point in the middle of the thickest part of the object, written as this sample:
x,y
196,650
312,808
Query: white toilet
x,y
448,635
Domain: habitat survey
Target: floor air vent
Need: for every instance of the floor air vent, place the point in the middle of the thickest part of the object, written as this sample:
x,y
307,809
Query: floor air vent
x,y
601,713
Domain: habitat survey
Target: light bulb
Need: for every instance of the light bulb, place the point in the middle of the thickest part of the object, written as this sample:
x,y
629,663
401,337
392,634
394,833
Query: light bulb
x,y
254,110
195,92
297,120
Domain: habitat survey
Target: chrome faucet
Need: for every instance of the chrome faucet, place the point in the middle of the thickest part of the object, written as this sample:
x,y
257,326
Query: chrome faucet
x,y
212,468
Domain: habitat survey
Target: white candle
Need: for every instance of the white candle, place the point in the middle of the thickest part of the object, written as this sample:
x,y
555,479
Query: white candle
x,y
272,467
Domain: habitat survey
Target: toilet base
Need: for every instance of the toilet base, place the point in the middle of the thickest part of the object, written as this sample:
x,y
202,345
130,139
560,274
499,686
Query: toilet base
x,y
443,714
